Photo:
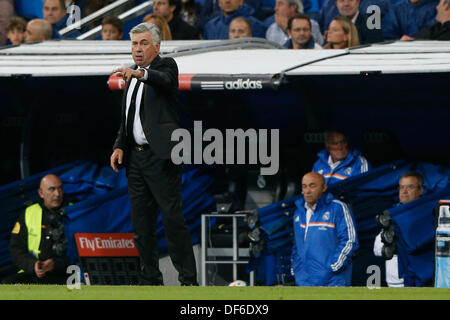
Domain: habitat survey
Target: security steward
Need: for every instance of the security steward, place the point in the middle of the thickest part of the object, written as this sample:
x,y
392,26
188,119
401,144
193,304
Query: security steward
x,y
38,243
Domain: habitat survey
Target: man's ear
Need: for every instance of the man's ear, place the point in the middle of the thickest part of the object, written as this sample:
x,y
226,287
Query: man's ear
x,y
40,193
325,187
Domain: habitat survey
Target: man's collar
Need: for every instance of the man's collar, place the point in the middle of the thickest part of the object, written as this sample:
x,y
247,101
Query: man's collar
x,y
355,17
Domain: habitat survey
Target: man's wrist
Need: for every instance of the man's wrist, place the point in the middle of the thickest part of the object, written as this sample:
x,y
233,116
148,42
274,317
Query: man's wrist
x,y
144,74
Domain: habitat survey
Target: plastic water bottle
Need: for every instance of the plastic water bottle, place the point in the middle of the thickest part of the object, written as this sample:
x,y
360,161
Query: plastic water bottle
x,y
442,277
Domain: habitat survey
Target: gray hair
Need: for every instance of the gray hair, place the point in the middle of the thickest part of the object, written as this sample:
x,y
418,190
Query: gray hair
x,y
298,3
416,175
150,28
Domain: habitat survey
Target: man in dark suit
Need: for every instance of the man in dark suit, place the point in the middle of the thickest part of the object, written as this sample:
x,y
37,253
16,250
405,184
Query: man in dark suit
x,y
144,146
170,10
441,29
350,9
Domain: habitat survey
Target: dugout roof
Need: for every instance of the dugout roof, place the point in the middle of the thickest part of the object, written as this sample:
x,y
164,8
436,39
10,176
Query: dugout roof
x,y
208,64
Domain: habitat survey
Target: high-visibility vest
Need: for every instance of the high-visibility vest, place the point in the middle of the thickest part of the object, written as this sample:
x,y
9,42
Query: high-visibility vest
x,y
33,222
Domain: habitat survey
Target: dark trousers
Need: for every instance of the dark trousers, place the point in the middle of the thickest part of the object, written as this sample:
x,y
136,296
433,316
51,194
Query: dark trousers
x,y
154,183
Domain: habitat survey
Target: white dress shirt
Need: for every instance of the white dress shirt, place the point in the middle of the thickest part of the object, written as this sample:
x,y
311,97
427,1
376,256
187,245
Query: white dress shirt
x,y
138,131
309,213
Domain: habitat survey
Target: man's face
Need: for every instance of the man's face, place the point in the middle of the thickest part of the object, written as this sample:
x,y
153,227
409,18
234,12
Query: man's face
x,y
162,9
51,191
142,48
239,29
409,189
230,6
53,12
110,32
300,31
283,8
16,36
313,186
347,8
337,146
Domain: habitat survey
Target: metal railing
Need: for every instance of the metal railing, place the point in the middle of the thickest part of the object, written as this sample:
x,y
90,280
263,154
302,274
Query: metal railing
x,y
125,17
95,16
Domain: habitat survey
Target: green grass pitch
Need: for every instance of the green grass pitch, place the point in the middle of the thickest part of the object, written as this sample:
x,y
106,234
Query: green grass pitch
x,y
54,292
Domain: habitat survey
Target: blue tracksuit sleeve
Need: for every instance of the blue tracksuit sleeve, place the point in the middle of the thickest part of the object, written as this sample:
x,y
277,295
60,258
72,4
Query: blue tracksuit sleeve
x,y
347,241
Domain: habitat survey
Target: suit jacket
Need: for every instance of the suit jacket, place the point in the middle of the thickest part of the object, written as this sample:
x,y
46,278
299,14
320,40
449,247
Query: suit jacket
x,y
365,34
158,112
437,31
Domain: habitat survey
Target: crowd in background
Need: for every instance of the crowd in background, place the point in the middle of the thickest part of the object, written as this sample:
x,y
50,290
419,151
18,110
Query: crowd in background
x,y
296,24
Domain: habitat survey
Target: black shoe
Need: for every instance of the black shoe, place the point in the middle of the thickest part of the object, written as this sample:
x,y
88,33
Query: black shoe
x,y
192,284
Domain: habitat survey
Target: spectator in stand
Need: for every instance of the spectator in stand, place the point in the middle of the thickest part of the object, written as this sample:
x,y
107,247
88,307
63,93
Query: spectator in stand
x,y
6,13
329,11
54,11
341,34
240,28
161,23
410,188
190,12
299,30
350,9
112,28
16,30
440,30
406,18
38,30
278,23
170,10
217,28
337,161
211,9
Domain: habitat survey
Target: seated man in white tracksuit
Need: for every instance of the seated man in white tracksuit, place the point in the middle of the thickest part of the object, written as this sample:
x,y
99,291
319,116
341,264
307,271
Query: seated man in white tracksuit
x,y
324,237
410,188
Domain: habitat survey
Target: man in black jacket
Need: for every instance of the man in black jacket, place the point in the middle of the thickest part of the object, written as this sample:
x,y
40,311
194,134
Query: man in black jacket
x,y
38,243
350,9
440,30
170,10
143,145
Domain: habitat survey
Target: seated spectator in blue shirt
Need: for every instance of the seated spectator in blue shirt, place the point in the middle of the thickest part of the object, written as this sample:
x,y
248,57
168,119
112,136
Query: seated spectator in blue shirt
x,y
240,27
405,19
38,30
329,11
284,10
217,28
54,11
211,9
299,29
338,161
441,29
